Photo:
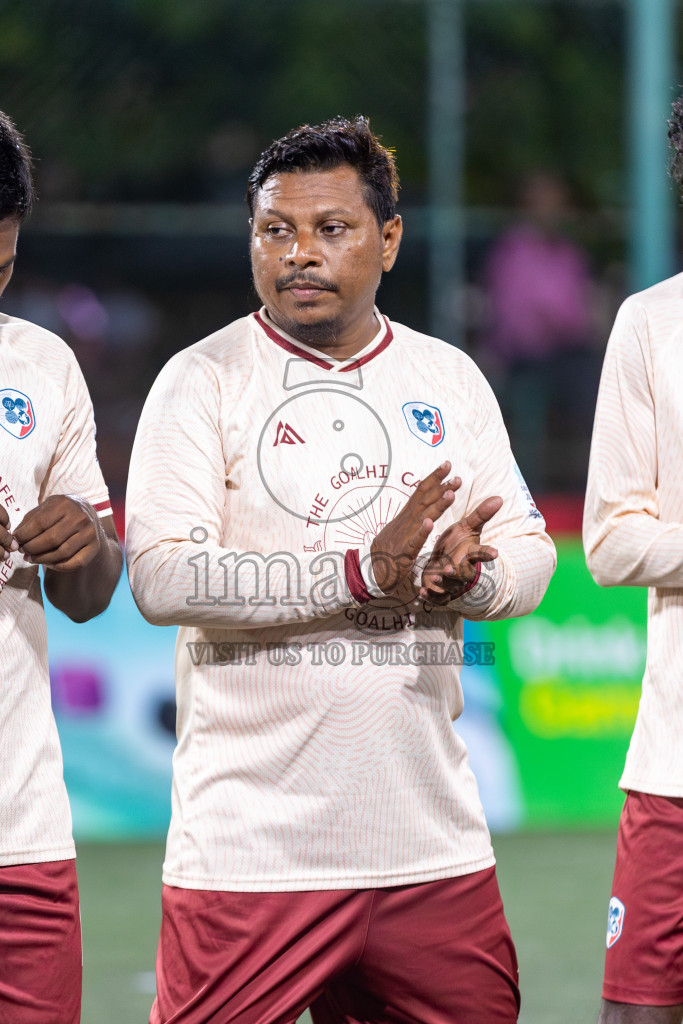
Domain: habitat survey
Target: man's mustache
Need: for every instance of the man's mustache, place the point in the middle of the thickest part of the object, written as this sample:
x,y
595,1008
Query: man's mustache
x,y
305,281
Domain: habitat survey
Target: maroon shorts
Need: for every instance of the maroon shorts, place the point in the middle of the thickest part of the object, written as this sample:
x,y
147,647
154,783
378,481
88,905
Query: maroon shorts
x,y
644,959
40,944
422,954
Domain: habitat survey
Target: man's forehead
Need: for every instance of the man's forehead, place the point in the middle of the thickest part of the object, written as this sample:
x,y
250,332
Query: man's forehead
x,y
338,186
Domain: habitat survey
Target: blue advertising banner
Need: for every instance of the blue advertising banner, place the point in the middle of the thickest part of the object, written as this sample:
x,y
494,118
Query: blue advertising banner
x,y
114,701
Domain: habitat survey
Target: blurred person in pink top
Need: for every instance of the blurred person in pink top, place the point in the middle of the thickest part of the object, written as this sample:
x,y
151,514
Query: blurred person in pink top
x,y
540,340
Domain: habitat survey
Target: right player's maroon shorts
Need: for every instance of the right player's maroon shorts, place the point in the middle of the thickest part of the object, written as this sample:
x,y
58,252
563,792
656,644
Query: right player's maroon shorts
x,y
436,953
644,959
40,944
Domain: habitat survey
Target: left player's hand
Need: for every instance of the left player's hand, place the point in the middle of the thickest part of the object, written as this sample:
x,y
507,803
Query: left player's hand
x,y
62,533
453,562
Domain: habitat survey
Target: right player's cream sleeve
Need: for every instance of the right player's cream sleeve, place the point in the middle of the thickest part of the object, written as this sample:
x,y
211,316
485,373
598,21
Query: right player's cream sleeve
x,y
633,519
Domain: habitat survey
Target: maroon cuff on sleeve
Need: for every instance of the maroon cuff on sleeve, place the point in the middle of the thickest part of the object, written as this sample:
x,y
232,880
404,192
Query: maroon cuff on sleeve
x,y
475,579
354,577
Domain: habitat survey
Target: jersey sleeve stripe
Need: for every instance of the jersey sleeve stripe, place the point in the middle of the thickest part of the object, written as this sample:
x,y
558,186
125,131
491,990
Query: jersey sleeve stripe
x,y
103,508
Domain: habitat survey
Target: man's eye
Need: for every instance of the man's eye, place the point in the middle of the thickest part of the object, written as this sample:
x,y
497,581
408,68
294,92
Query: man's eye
x,y
276,230
333,229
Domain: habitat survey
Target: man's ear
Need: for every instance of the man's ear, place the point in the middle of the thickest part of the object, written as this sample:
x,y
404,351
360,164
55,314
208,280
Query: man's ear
x,y
392,232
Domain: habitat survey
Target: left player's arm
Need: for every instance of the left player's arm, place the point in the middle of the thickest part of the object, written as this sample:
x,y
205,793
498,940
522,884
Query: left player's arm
x,y
499,557
79,551
71,530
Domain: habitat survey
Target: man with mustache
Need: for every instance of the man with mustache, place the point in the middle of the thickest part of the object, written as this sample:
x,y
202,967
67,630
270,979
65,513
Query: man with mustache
x,y
54,512
327,846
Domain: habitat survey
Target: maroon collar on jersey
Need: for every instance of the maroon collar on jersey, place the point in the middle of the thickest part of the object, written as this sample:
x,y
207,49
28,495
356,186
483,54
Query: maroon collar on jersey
x,y
291,346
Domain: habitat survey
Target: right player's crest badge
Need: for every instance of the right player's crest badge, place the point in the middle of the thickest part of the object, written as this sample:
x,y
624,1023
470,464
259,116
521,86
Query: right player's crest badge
x,y
16,413
615,920
425,421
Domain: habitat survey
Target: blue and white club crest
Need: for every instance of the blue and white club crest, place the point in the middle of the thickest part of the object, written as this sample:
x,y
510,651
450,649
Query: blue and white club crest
x,y
425,421
615,920
16,413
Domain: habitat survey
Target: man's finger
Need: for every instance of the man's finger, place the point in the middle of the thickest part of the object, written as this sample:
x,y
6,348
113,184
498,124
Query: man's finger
x,y
482,554
7,544
486,510
429,505
475,553
62,552
51,539
433,480
416,542
7,541
469,525
433,486
434,595
442,576
38,520
436,508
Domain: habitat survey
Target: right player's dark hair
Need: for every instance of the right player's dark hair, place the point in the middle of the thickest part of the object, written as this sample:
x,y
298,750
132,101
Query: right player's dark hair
x,y
16,180
676,142
326,146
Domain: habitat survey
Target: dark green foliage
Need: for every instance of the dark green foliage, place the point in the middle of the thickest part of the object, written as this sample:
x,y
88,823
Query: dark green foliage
x,y
163,99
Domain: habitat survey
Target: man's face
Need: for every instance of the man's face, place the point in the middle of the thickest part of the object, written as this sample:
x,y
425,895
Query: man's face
x,y
9,232
317,256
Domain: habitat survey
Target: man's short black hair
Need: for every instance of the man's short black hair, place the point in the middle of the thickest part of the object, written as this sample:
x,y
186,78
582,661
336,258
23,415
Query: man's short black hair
x,y
326,146
16,179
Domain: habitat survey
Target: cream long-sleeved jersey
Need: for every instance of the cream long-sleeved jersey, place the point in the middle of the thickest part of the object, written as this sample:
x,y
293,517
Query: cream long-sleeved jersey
x,y
315,741
47,446
633,520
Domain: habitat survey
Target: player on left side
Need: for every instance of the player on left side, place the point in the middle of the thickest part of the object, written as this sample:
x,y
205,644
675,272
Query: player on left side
x,y
54,512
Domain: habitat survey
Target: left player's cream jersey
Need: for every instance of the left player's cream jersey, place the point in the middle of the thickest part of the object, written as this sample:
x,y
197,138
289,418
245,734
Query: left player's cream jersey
x,y
47,446
315,741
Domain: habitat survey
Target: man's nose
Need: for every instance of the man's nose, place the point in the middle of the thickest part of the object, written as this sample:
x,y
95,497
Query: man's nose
x,y
304,251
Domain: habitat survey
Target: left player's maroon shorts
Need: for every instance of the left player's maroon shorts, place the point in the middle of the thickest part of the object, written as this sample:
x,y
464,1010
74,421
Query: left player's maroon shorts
x,y
436,953
40,944
644,958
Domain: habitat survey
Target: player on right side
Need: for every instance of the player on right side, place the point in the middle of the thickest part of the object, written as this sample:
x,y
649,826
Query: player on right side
x,y
633,536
